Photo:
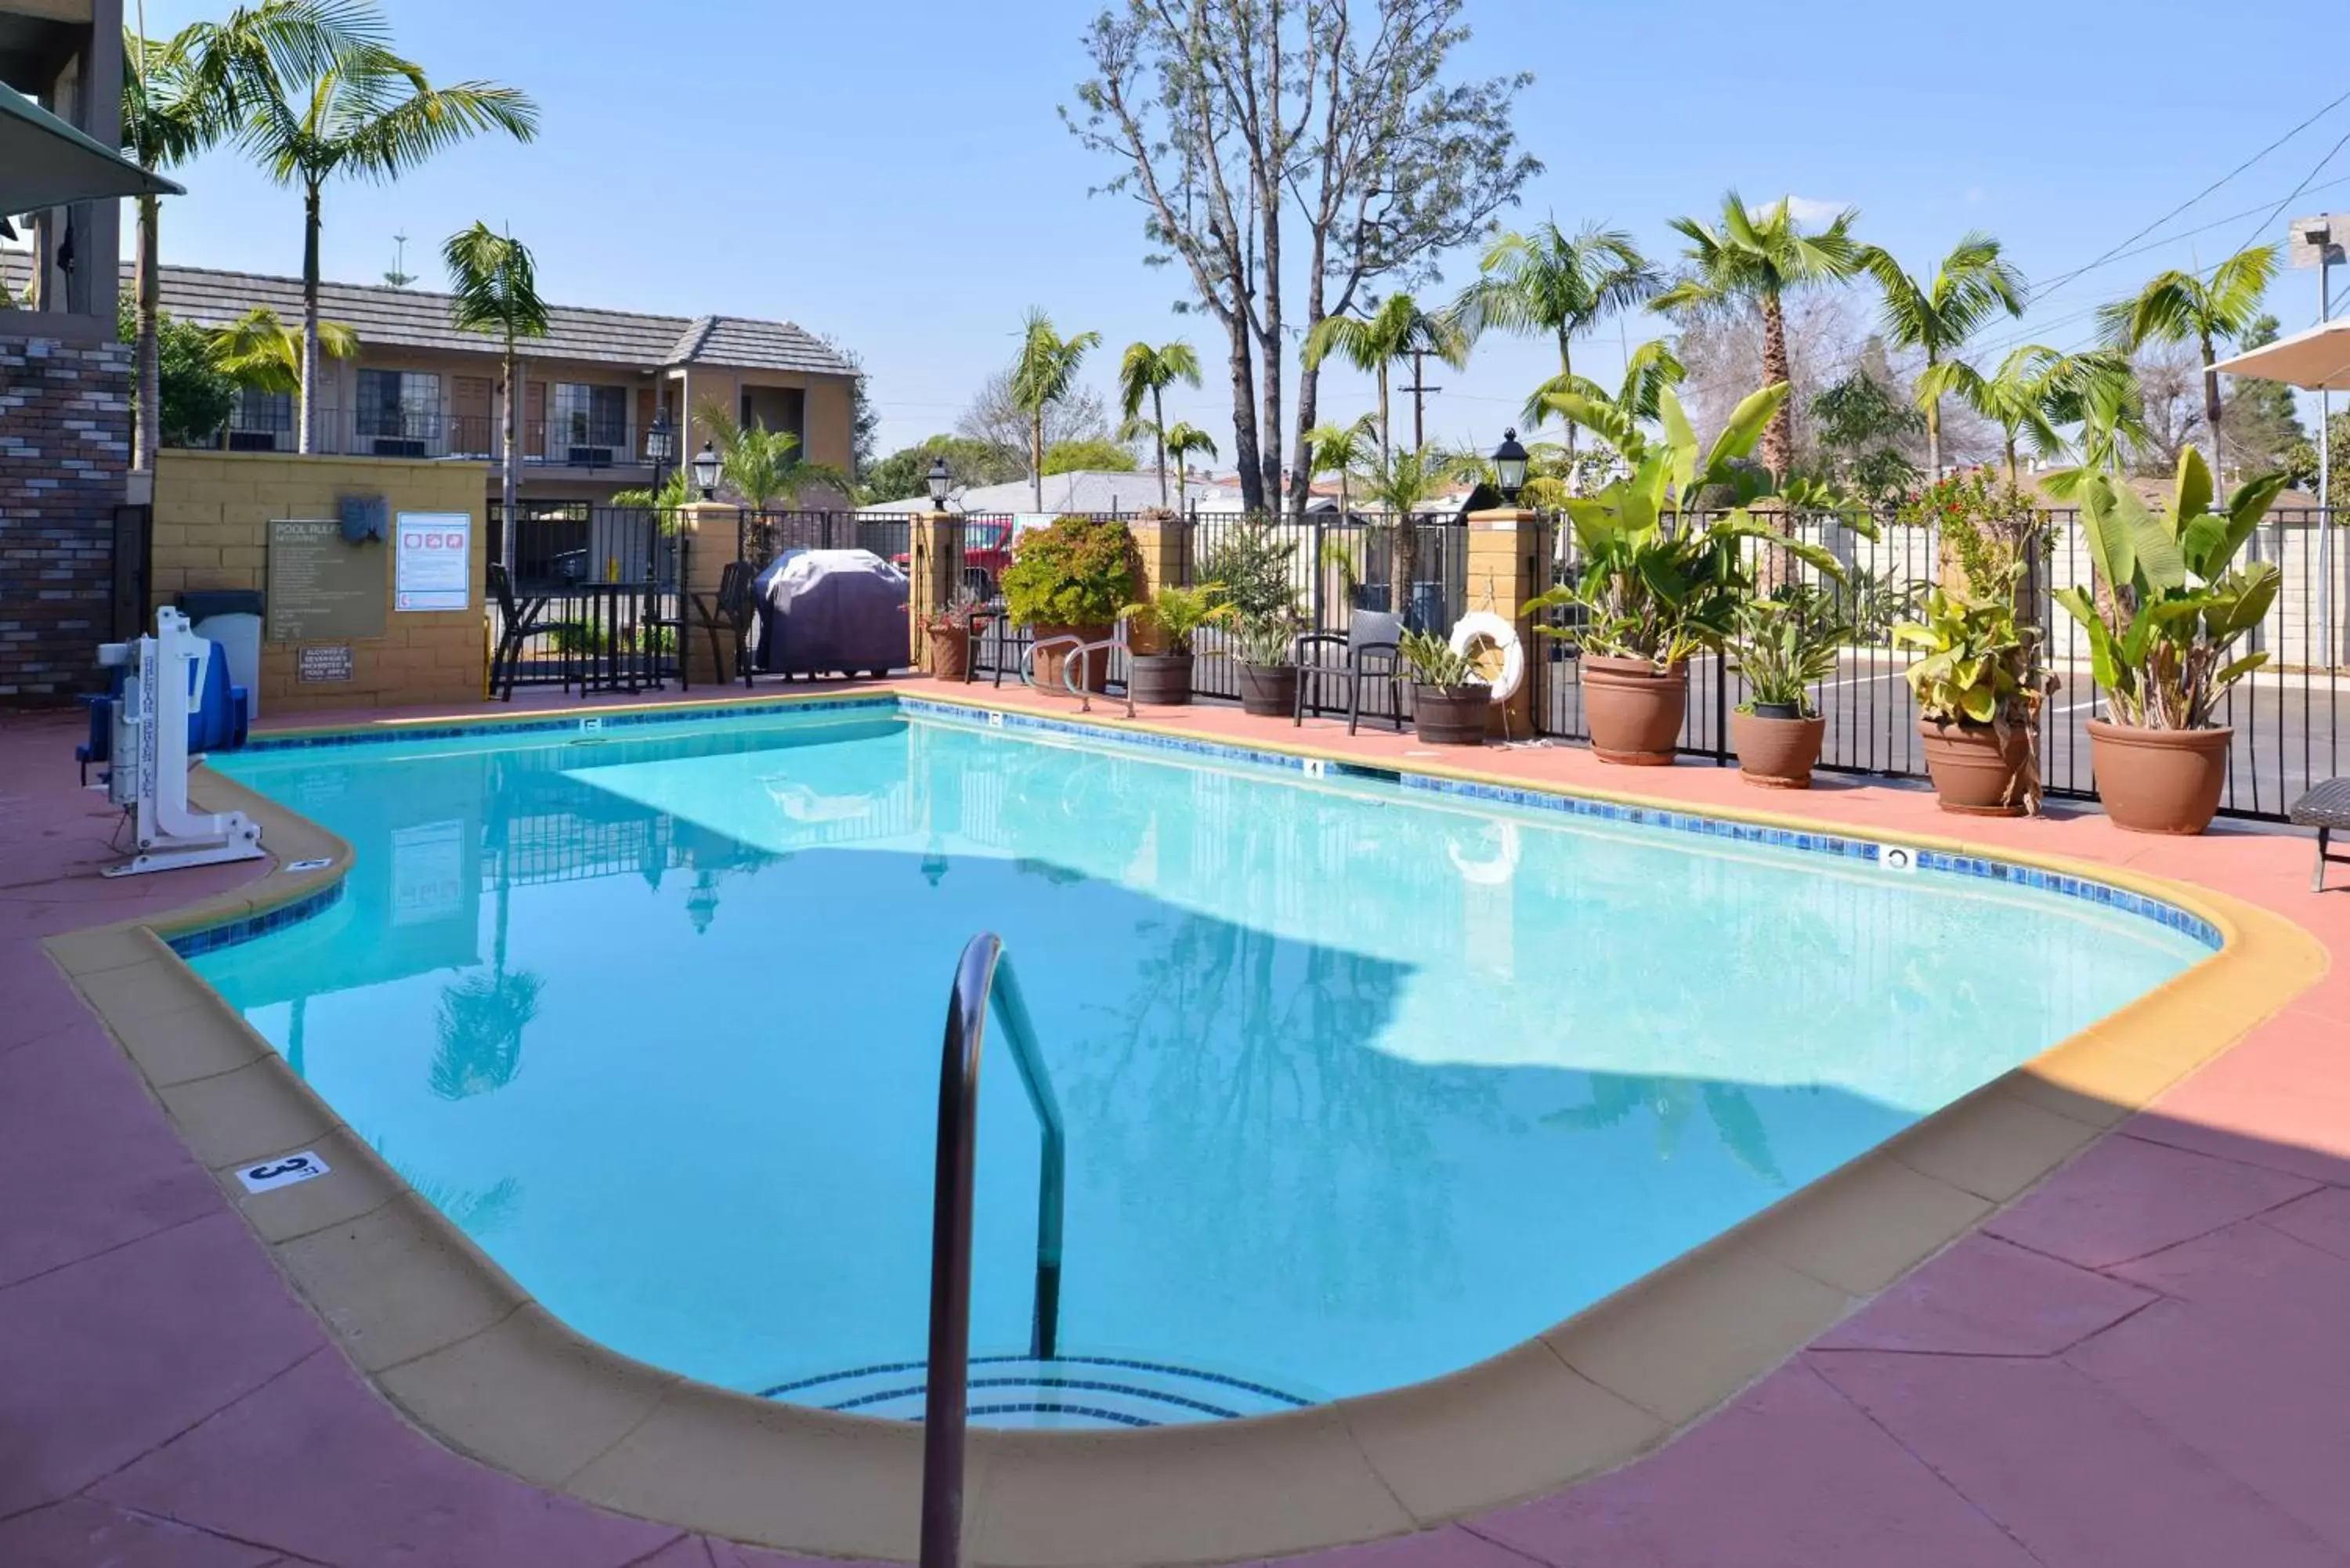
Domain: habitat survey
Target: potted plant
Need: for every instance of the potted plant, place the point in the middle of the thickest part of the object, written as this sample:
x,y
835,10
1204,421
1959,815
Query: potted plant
x,y
1254,565
952,631
1070,579
1267,649
1979,684
1783,645
1660,577
1450,700
2169,604
1174,615
1976,709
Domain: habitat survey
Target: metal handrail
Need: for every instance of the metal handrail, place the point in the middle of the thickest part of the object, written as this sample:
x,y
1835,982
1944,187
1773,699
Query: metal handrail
x,y
1072,664
983,972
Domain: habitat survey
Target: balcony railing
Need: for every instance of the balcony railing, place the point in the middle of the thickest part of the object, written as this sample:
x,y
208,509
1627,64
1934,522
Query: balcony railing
x,y
559,441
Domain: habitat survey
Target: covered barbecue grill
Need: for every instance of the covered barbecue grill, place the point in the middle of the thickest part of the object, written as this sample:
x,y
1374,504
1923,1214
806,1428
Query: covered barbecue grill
x,y
830,612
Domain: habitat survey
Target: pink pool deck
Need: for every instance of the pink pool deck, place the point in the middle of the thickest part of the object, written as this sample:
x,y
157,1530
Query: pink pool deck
x,y
2142,1361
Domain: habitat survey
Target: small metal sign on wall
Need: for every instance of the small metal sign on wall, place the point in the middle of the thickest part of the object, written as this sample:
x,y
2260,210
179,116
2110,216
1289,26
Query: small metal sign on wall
x,y
312,665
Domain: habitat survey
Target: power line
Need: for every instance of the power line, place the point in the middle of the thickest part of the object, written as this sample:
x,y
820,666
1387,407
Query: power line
x,y
2315,170
2030,334
2198,195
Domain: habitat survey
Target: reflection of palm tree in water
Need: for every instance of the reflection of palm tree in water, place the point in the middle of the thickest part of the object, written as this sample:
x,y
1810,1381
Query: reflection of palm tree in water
x,y
475,1210
1615,1097
480,1022
1312,1153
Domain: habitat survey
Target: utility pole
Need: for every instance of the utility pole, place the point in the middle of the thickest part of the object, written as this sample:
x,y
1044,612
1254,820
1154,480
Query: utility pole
x,y
1418,392
2320,243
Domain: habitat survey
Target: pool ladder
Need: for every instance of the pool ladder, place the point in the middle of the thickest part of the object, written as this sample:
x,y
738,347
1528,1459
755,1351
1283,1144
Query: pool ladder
x,y
982,974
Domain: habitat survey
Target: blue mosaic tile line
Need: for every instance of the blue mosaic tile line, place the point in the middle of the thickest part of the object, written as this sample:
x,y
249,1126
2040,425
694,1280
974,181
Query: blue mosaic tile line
x,y
472,729
1841,845
245,928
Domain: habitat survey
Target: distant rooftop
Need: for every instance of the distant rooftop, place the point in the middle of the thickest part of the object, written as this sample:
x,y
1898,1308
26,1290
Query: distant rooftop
x,y
1082,490
384,316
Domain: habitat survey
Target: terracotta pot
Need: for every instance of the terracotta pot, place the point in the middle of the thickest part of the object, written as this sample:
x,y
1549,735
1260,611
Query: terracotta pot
x,y
1096,674
1976,774
1450,715
2160,781
1269,691
1776,754
1634,710
951,653
1164,678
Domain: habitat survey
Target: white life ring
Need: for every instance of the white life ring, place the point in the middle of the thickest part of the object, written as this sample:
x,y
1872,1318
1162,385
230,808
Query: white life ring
x,y
1491,645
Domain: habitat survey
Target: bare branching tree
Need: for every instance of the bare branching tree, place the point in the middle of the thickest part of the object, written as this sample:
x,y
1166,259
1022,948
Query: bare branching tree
x,y
1294,153
995,416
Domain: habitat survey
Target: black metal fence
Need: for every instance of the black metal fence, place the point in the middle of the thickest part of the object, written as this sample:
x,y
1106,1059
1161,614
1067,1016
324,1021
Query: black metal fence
x,y
609,581
2288,716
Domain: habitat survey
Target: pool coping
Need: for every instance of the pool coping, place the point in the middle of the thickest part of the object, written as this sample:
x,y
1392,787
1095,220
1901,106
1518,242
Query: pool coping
x,y
470,1357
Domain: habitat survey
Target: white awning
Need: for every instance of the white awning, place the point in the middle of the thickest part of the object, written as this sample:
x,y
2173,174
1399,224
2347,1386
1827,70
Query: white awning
x,y
2317,359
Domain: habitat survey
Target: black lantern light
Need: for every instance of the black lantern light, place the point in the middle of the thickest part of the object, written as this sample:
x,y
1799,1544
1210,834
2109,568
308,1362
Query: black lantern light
x,y
1510,466
940,481
706,465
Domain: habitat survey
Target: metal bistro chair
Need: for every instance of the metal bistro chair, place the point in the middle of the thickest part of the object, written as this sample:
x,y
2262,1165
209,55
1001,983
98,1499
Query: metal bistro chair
x,y
1074,661
2326,807
1371,648
727,615
517,624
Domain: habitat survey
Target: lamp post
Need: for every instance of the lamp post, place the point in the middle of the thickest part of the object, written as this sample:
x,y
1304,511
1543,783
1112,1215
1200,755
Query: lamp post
x,y
660,445
1510,466
706,465
940,481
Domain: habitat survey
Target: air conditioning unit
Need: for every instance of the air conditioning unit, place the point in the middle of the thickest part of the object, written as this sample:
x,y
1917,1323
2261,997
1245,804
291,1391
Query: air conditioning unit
x,y
252,441
399,446
590,457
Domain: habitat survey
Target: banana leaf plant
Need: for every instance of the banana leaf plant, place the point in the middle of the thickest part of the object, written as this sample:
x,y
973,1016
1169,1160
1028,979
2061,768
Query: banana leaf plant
x,y
1663,573
2169,600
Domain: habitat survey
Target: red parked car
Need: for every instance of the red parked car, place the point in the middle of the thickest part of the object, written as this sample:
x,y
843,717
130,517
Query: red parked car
x,y
987,550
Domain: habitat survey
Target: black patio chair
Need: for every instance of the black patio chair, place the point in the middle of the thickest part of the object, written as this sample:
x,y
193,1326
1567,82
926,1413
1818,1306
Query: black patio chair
x,y
517,624
726,616
2326,807
1368,652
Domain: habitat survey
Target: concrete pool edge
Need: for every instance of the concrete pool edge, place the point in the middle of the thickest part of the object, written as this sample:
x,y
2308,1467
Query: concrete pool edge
x,y
448,1339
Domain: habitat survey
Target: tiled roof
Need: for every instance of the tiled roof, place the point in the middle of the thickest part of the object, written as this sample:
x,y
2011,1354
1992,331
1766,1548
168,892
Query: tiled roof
x,y
416,318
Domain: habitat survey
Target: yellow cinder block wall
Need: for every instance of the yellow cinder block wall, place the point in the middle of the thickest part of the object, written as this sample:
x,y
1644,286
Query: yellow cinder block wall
x,y
213,511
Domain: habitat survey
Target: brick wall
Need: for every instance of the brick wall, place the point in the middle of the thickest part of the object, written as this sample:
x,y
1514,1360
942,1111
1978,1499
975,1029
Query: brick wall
x,y
64,447
213,511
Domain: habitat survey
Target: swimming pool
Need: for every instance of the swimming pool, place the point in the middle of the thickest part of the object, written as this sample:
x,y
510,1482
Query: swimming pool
x,y
1364,1082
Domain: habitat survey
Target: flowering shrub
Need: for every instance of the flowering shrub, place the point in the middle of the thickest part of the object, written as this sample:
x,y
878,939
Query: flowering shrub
x,y
1078,571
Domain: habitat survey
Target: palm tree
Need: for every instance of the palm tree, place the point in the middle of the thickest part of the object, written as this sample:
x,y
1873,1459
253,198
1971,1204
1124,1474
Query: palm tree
x,y
1148,372
1401,482
1043,375
2035,390
761,466
1185,440
494,289
1974,283
1616,417
186,94
1398,329
364,111
1757,258
1341,449
260,351
2184,306
1548,282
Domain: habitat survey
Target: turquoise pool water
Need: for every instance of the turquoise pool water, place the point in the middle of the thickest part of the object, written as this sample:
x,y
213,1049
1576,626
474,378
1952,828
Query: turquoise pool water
x,y
1362,1084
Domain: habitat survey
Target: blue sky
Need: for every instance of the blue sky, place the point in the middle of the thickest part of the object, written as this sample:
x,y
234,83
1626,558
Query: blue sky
x,y
895,172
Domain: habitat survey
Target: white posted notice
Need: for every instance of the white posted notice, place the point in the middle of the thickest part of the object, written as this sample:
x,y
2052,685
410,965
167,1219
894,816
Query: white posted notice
x,y
432,555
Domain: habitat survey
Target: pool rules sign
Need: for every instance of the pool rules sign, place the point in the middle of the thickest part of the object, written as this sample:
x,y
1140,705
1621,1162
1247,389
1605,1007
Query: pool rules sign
x,y
432,553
